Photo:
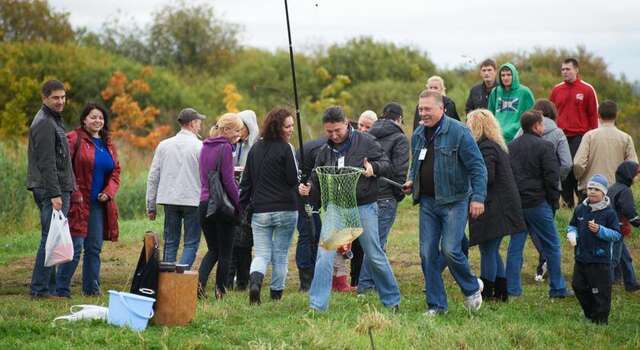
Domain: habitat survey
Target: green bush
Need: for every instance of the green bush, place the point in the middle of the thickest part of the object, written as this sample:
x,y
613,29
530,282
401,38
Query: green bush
x,y
18,212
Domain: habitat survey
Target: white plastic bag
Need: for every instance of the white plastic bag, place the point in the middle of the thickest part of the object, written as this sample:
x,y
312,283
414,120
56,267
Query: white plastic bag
x,y
85,312
59,246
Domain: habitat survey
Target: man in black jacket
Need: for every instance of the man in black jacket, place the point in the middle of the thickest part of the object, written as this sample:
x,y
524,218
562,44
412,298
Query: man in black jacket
x,y
49,175
349,148
388,132
479,94
537,173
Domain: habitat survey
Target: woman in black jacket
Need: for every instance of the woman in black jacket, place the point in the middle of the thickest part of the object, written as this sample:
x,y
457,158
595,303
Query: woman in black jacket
x,y
269,184
503,214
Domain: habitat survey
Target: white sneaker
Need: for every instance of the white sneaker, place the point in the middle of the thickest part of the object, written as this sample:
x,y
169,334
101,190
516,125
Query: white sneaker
x,y
474,301
434,312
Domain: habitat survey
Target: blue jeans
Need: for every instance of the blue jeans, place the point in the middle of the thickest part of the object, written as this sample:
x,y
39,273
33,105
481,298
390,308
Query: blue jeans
x,y
623,263
43,278
377,263
307,246
386,216
91,260
272,234
174,215
539,222
441,236
491,265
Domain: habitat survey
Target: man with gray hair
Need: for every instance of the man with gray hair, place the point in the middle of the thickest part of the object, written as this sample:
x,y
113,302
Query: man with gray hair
x,y
448,179
174,181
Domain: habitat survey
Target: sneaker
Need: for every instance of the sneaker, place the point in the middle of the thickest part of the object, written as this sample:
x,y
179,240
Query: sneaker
x,y
435,312
474,301
540,272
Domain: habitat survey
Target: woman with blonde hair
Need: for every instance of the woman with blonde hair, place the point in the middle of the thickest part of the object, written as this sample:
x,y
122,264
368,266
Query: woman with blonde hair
x,y
503,213
436,83
217,154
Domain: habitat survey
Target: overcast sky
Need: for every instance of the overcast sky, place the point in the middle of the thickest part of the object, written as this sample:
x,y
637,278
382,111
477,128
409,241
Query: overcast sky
x,y
453,32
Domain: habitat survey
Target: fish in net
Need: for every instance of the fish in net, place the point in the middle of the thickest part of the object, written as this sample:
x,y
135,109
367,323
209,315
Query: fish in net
x,y
339,211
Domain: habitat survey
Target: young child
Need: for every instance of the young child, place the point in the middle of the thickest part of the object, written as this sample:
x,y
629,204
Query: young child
x,y
592,230
623,204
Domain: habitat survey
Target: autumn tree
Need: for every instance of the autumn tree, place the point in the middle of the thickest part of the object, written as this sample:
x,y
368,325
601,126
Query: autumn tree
x,y
130,121
33,20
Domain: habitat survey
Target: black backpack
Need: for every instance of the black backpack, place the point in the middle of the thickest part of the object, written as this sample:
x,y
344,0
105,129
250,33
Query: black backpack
x,y
145,278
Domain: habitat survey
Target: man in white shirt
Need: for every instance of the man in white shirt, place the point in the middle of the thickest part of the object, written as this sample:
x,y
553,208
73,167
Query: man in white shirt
x,y
174,181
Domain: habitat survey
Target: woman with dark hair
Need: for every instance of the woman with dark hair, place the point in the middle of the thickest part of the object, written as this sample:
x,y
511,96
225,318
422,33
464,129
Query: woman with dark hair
x,y
93,215
269,186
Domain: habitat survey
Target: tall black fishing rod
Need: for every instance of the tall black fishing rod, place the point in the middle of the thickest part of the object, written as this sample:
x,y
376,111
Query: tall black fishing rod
x,y
295,87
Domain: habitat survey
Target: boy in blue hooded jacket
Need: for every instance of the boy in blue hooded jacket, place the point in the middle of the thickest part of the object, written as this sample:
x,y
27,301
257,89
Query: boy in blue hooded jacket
x,y
592,230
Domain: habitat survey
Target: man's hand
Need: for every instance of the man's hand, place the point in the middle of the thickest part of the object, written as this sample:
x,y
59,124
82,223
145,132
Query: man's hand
x,y
56,203
368,169
476,209
304,189
593,227
103,197
152,215
407,187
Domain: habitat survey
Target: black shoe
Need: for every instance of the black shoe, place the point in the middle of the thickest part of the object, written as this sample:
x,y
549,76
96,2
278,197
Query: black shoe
x,y
488,291
567,293
276,294
306,276
632,289
255,284
501,289
202,293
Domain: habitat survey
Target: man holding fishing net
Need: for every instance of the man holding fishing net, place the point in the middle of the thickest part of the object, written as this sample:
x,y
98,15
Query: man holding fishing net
x,y
348,196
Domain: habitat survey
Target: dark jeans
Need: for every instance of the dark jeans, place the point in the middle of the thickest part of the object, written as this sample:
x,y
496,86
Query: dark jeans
x,y
622,266
592,285
307,246
174,215
570,184
43,278
217,232
92,244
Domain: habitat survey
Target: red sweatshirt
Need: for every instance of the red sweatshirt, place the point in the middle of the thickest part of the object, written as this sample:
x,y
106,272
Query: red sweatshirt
x,y
577,105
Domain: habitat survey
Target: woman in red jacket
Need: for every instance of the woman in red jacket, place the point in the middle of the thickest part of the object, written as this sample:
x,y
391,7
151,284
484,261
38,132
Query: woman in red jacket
x,y
93,215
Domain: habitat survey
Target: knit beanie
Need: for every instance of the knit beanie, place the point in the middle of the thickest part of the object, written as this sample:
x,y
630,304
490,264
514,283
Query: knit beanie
x,y
598,182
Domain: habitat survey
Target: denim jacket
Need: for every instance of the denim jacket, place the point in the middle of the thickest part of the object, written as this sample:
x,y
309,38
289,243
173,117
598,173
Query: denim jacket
x,y
458,164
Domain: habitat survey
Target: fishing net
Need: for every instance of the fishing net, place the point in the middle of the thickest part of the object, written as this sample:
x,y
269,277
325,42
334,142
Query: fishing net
x,y
339,212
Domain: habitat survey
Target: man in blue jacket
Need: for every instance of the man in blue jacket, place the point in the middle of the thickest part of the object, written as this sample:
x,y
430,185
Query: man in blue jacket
x,y
448,178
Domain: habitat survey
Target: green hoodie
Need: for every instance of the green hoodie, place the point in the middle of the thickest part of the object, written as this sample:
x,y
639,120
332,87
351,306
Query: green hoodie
x,y
508,106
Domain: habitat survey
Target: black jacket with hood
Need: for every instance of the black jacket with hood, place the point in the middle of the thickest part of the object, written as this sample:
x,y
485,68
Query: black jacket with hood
x,y
622,198
396,146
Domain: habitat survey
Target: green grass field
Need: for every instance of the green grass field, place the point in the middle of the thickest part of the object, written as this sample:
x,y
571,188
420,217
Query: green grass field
x,y
532,321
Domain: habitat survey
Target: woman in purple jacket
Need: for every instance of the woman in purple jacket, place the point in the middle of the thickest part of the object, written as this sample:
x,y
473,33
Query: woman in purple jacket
x,y
217,228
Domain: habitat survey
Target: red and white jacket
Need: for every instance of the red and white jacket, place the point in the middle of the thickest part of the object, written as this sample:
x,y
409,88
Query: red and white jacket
x,y
577,105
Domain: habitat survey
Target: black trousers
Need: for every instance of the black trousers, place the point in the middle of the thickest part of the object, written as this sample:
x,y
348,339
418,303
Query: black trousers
x,y
570,184
239,269
356,262
218,232
592,285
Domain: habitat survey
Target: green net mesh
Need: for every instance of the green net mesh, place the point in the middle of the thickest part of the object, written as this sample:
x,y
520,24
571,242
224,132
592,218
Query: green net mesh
x,y
339,212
